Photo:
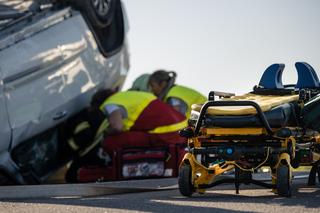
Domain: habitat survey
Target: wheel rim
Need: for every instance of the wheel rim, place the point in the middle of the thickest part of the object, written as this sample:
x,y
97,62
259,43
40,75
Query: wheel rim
x,y
101,6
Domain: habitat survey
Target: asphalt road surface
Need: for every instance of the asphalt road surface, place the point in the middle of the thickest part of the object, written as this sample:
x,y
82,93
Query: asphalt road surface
x,y
219,199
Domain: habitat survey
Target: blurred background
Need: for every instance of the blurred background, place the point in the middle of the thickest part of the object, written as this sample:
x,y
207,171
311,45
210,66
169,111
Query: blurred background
x,y
222,45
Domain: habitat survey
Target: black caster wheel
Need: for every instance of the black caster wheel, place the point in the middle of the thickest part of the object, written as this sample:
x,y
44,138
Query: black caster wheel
x,y
184,181
283,181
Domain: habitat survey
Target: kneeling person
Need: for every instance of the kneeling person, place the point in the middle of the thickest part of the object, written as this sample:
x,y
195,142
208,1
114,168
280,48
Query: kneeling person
x,y
138,119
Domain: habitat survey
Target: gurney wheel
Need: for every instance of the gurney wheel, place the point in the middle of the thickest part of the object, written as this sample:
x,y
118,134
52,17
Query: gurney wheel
x,y
283,181
184,181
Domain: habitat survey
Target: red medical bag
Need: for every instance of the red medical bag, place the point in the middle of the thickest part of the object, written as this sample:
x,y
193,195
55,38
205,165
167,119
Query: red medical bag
x,y
137,163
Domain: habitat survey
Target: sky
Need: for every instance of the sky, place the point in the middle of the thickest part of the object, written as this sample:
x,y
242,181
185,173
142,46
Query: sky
x,y
222,45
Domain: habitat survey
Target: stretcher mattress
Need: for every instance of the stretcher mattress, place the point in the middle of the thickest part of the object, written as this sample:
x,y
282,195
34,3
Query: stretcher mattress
x,y
266,103
280,116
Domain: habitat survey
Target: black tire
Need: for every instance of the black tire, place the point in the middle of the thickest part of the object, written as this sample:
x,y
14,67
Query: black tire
x,y
99,12
184,181
283,181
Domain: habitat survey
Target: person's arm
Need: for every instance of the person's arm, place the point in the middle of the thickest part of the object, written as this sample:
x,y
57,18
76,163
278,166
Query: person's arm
x,y
178,105
115,121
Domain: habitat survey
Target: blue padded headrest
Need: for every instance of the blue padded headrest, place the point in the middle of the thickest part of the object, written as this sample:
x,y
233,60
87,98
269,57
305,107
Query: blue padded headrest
x,y
307,77
272,77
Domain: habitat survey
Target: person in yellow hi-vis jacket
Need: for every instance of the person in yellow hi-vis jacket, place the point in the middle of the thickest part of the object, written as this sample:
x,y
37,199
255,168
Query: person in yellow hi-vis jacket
x,y
138,119
118,120
162,84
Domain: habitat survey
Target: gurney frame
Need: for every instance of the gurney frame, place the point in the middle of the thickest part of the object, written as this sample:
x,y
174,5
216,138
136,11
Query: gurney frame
x,y
214,151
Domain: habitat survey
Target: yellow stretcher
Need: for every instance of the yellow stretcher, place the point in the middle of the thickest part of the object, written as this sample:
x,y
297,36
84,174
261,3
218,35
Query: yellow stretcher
x,y
271,126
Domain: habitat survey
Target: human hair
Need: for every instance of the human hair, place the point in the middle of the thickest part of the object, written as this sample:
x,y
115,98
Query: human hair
x,y
160,76
100,96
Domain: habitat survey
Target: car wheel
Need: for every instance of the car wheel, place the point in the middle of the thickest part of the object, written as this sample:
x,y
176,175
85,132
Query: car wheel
x,y
184,181
99,12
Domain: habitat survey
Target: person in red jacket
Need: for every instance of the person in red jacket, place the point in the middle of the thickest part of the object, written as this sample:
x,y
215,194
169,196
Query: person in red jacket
x,y
138,119
130,119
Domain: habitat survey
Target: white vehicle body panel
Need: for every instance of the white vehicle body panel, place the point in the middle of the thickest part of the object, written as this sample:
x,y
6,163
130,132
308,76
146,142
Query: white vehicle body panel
x,y
55,62
5,132
49,71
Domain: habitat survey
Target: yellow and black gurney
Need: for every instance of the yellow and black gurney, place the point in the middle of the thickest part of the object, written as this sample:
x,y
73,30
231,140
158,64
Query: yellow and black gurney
x,y
275,125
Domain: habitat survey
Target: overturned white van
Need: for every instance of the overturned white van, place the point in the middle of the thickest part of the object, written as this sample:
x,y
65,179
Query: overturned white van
x,y
53,56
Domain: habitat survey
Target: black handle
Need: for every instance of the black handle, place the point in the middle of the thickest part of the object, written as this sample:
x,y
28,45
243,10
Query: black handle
x,y
60,115
232,103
